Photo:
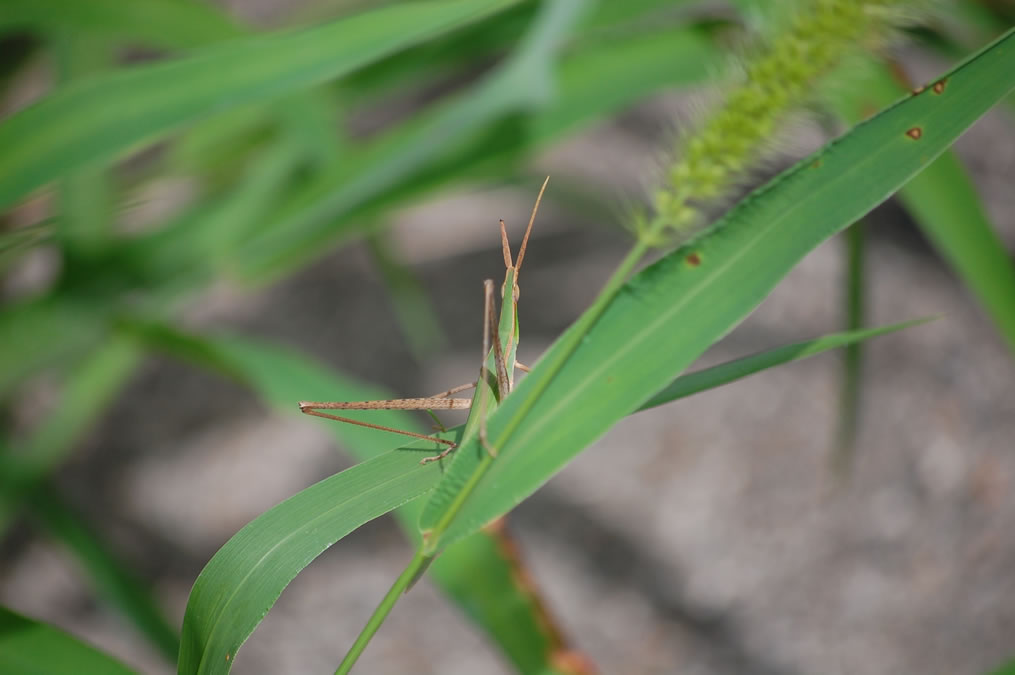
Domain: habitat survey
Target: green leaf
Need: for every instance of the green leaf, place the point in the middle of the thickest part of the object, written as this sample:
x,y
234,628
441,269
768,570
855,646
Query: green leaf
x,y
30,647
159,23
943,202
724,373
246,576
86,194
476,573
852,362
102,117
668,314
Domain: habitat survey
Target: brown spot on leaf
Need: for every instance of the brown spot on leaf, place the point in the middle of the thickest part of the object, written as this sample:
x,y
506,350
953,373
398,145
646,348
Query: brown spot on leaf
x,y
693,259
919,90
915,133
816,163
939,86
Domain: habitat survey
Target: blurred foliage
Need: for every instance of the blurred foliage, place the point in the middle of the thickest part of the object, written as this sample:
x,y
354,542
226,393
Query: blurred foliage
x,y
266,128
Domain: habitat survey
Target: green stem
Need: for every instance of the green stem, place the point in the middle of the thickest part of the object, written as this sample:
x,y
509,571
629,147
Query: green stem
x,y
849,401
401,585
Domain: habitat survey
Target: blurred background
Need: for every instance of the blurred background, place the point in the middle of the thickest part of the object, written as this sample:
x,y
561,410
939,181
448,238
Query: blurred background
x,y
347,224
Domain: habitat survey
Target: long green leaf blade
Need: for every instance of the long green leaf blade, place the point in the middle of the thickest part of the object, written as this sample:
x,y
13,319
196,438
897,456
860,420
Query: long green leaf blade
x,y
724,373
162,23
668,314
98,119
246,576
944,202
30,647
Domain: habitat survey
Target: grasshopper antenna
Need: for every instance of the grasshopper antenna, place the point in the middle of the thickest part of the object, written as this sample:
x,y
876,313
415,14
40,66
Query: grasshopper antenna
x,y
528,230
505,246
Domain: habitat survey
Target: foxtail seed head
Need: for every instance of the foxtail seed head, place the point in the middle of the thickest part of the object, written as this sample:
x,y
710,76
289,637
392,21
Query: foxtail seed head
x,y
779,76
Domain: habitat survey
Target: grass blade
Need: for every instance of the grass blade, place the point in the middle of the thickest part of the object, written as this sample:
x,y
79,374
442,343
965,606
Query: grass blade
x,y
246,576
159,23
102,117
724,373
86,194
30,647
852,362
943,202
668,314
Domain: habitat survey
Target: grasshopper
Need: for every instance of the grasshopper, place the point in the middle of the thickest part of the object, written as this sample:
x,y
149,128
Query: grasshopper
x,y
496,376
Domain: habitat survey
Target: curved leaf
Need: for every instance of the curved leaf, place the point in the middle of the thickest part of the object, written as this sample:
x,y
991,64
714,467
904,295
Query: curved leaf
x,y
242,581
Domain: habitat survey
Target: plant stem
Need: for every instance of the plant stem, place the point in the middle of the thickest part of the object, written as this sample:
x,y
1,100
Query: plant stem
x,y
849,397
401,585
